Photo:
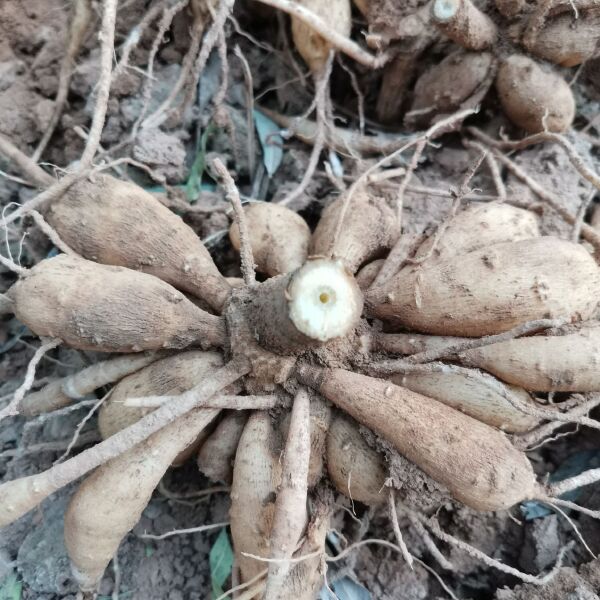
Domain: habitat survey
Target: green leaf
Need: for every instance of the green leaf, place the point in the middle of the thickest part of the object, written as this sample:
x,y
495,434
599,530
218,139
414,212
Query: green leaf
x,y
270,140
10,587
194,182
221,562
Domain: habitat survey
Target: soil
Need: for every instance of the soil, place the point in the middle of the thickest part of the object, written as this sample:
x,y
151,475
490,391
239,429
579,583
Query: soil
x,y
32,38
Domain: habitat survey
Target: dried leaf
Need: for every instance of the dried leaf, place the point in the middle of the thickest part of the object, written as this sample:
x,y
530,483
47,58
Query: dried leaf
x,y
270,140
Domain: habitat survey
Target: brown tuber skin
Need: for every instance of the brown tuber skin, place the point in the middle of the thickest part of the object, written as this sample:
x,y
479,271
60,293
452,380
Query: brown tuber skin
x,y
446,87
109,503
492,290
118,223
169,376
466,392
480,226
355,469
312,47
474,461
554,363
567,41
67,390
109,309
464,23
370,227
279,238
534,98
216,455
256,476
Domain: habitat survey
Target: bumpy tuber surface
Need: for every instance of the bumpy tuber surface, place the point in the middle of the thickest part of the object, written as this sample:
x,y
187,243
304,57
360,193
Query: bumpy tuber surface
x,y
370,227
279,237
256,476
109,309
474,461
465,391
217,453
534,97
118,223
357,470
313,48
464,23
445,87
492,290
553,363
480,226
109,503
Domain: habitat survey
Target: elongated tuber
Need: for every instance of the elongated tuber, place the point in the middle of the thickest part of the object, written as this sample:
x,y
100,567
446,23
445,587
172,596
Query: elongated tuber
x,y
464,23
474,461
357,470
169,376
467,392
256,476
110,309
544,363
480,226
492,290
534,97
216,455
118,223
370,227
66,390
279,237
109,503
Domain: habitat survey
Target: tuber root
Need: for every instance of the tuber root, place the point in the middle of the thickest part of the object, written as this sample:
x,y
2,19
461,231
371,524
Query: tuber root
x,y
369,227
533,97
492,290
544,363
118,223
464,23
217,453
466,391
279,237
355,469
109,503
109,309
256,476
474,461
170,376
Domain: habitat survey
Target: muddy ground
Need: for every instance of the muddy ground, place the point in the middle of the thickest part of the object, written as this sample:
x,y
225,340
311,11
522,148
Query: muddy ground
x,y
33,562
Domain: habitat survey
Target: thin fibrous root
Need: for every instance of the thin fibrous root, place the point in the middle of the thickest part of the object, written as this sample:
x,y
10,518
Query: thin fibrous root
x,y
13,407
544,136
538,436
24,164
321,102
6,305
21,495
338,41
433,526
233,195
396,526
289,518
469,343
588,232
224,401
